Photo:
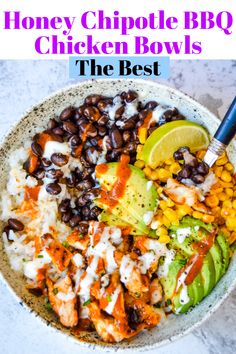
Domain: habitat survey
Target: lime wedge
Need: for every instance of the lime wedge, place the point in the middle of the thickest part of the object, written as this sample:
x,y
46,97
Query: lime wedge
x,y
168,138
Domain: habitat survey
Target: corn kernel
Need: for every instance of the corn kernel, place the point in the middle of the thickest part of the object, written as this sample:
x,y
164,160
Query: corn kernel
x,y
164,239
208,218
226,184
227,204
226,177
169,161
183,210
232,238
171,214
229,192
159,190
139,148
162,231
234,203
164,175
142,135
165,221
139,164
222,196
218,171
229,167
147,170
197,214
162,204
154,175
170,203
231,223
212,201
222,161
175,168
225,231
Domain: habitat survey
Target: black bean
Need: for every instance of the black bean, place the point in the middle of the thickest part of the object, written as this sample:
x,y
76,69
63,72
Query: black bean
x,y
143,114
183,149
94,213
81,201
178,117
108,144
82,123
15,224
102,131
45,162
119,112
65,217
86,174
40,173
130,148
64,205
53,188
127,124
59,159
116,137
169,114
126,136
58,131
203,168
103,105
83,227
197,179
92,100
131,96
74,140
52,123
134,318
92,113
91,155
103,120
74,221
92,194
185,172
81,109
72,180
151,130
70,127
190,159
151,105
67,113
114,155
178,155
7,231
36,148
85,211
54,174
94,141
84,185
92,131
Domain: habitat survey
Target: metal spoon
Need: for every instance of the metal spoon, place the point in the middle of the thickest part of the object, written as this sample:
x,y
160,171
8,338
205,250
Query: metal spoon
x,y
223,136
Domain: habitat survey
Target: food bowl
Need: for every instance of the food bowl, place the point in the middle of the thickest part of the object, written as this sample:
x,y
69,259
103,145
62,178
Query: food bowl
x,y
33,121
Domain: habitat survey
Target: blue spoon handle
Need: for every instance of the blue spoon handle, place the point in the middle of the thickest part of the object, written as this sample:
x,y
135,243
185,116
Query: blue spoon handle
x,y
227,128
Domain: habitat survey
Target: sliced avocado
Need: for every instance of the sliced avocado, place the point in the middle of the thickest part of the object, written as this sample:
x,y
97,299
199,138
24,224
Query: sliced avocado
x,y
138,197
208,274
198,289
216,254
189,221
178,307
225,251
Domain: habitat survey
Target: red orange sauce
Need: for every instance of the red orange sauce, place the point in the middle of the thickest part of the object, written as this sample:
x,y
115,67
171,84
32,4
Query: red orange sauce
x,y
79,149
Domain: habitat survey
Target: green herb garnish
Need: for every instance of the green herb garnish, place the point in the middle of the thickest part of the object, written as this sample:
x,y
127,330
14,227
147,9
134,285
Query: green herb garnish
x,y
40,256
47,304
65,244
86,303
168,302
55,291
109,299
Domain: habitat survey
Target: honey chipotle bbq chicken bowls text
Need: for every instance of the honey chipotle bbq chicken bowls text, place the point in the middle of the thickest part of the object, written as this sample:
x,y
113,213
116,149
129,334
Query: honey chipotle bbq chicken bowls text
x,y
113,227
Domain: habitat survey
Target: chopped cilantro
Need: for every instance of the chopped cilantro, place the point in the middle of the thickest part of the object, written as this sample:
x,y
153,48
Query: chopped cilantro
x,y
168,302
65,244
55,291
40,256
47,304
109,299
24,260
86,303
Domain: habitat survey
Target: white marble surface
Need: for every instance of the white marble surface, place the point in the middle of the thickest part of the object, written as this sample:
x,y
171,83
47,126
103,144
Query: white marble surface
x,y
24,83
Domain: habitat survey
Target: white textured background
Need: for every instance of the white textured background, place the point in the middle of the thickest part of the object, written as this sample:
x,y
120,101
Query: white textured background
x,y
24,83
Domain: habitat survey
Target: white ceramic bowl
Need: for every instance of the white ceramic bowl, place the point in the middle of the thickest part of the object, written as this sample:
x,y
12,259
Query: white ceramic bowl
x,y
34,120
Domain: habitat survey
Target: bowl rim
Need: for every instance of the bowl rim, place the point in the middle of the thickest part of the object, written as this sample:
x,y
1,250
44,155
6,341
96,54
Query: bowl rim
x,y
98,346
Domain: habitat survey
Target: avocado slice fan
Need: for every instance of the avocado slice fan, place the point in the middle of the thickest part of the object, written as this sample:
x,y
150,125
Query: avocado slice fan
x,y
223,136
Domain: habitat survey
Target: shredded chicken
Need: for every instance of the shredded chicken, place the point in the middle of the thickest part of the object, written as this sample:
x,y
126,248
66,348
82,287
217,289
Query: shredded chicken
x,y
180,193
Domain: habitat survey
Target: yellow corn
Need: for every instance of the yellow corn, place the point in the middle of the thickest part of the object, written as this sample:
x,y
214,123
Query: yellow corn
x,y
165,221
231,223
171,214
226,177
208,218
175,168
218,171
225,231
154,175
142,135
229,167
159,190
162,230
232,238
212,201
226,184
164,239
229,192
147,170
163,204
222,161
234,203
170,203
139,148
183,210
169,161
227,204
139,164
164,175
222,196
197,214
